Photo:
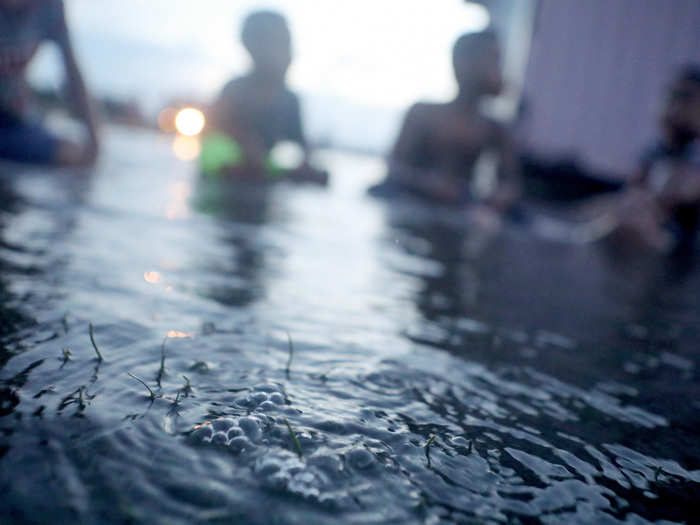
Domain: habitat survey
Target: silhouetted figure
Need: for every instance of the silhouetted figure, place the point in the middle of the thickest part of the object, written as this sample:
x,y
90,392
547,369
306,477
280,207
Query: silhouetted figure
x,y
24,25
258,110
439,144
660,207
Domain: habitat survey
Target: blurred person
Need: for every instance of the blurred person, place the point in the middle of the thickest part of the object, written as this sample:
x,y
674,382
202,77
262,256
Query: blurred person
x,y
24,25
258,111
660,205
439,144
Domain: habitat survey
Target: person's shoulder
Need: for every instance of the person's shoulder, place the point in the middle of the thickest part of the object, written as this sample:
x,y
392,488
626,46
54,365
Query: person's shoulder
x,y
235,89
290,97
425,108
235,84
422,112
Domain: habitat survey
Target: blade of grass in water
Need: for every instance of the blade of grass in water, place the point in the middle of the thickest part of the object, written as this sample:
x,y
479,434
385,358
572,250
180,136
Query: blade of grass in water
x,y
427,447
291,355
152,394
297,445
161,370
94,344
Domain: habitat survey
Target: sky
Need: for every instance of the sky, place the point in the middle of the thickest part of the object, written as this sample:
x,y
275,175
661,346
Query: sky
x,y
380,54
376,52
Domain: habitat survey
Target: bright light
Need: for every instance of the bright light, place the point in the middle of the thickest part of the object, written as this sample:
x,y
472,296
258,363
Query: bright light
x,y
152,277
186,148
177,334
189,121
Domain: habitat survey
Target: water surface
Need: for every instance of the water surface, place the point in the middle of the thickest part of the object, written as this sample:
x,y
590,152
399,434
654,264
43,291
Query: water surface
x,y
553,382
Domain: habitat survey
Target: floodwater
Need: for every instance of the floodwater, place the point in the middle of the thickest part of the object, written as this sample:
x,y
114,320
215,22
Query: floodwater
x,y
317,356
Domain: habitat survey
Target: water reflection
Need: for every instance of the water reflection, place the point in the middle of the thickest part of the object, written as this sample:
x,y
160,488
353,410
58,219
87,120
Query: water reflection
x,y
239,270
11,319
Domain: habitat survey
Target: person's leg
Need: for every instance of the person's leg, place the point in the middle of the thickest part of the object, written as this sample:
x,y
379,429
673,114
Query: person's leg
x,y
71,154
31,143
28,143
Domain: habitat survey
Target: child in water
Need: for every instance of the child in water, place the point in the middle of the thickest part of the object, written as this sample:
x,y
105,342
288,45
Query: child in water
x,y
660,207
258,111
439,144
24,25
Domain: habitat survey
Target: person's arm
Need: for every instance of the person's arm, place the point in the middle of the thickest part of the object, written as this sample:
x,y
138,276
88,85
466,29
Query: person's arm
x,y
508,186
683,186
304,172
226,117
295,127
70,153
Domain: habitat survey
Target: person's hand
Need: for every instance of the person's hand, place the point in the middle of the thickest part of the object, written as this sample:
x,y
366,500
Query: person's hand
x,y
504,197
307,173
683,186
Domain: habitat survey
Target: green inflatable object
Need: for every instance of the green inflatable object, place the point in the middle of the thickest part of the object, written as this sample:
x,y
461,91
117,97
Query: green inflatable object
x,y
220,151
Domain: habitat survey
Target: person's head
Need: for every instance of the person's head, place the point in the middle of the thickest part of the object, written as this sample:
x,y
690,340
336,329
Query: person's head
x,y
681,115
476,58
266,36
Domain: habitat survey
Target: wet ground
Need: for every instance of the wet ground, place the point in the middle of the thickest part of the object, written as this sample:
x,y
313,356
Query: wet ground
x,y
316,356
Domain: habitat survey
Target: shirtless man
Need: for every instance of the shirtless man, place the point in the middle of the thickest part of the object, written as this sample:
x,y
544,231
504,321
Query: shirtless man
x,y
24,25
439,144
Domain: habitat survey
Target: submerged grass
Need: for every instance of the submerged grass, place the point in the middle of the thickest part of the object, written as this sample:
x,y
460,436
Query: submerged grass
x,y
151,394
187,389
657,472
427,447
161,370
297,445
291,355
94,344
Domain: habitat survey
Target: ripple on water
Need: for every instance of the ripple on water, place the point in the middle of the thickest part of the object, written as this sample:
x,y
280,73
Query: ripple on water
x,y
374,457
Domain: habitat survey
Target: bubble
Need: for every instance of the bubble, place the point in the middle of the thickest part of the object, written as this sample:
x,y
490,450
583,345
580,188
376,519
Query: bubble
x,y
233,432
240,444
259,397
222,424
251,428
276,398
360,458
267,406
219,438
202,432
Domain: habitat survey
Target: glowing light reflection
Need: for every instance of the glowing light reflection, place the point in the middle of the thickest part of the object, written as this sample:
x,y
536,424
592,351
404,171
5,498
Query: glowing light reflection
x,y
174,334
152,277
186,148
189,121
177,207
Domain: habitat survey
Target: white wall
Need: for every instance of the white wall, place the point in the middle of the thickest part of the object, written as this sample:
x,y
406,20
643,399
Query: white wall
x,y
597,74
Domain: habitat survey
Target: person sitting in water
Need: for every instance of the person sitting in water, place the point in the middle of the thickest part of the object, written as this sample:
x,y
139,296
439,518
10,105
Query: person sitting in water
x,y
660,205
439,144
258,111
24,25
